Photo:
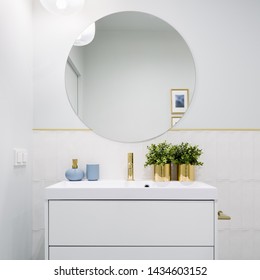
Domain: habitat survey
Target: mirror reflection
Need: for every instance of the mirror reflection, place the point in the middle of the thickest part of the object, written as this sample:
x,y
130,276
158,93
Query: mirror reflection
x,y
133,79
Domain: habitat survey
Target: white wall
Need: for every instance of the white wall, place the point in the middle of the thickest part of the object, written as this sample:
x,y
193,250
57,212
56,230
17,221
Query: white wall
x,y
16,128
224,39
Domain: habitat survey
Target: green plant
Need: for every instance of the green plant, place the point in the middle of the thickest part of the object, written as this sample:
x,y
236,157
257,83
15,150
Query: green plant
x,y
159,154
185,153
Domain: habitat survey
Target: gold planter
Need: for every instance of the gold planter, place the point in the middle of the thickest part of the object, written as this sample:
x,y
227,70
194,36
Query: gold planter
x,y
186,172
162,173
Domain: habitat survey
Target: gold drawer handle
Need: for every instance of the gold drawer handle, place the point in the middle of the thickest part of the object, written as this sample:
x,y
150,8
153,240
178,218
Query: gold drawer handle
x,y
222,216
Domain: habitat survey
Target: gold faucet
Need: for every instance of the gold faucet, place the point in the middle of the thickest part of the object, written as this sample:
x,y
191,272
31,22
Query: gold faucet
x,y
130,167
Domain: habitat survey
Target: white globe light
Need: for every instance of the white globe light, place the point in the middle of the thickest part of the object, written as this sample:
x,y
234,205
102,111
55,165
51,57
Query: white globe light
x,y
61,4
86,36
63,7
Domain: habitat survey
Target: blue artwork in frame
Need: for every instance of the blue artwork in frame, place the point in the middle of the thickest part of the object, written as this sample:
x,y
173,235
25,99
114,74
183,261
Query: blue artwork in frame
x,y
179,100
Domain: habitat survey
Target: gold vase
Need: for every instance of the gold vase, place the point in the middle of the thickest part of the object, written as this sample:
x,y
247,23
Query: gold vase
x,y
162,173
186,172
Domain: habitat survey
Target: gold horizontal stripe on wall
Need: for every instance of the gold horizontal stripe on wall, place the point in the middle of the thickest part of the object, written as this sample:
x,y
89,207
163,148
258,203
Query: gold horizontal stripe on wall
x,y
214,129
62,129
171,129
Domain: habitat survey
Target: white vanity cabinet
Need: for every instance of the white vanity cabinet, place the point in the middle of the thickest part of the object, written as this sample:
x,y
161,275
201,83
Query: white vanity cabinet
x,y
126,220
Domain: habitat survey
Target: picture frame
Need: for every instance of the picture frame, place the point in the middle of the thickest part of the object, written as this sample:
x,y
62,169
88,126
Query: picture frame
x,y
175,119
179,101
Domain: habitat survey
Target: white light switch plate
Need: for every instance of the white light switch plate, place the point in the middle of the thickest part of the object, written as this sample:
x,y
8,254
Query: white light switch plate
x,y
20,157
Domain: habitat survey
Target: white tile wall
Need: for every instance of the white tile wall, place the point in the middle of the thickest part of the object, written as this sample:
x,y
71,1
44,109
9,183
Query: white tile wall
x,y
231,163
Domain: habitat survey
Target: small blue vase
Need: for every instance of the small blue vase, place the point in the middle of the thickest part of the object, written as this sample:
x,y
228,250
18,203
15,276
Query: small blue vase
x,y
92,172
74,173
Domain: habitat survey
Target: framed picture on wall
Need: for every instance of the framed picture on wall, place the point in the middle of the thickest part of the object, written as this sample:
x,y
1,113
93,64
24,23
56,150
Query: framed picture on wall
x,y
179,100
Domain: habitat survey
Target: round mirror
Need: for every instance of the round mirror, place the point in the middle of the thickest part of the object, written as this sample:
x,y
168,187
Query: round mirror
x,y
133,79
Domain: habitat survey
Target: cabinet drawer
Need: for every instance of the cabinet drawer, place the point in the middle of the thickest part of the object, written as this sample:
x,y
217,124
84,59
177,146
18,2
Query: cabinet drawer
x,y
131,223
131,253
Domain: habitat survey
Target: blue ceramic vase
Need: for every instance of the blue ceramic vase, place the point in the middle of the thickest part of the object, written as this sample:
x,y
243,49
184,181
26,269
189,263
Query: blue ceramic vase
x,y
74,173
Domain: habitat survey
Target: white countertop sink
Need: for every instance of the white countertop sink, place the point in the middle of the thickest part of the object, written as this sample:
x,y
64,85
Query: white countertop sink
x,y
116,189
